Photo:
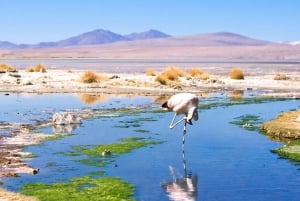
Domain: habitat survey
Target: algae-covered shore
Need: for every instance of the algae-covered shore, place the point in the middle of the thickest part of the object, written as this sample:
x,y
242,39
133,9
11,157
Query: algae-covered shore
x,y
286,128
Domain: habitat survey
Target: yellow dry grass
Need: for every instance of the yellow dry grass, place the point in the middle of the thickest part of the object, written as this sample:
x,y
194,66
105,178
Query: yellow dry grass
x,y
150,72
280,76
170,76
7,68
92,77
284,125
38,68
237,74
197,72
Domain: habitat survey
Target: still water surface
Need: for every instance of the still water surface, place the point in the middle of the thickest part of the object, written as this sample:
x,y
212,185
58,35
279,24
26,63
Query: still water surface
x,y
223,161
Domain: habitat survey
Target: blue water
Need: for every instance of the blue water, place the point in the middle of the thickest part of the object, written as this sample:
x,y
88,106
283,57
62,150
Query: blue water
x,y
231,163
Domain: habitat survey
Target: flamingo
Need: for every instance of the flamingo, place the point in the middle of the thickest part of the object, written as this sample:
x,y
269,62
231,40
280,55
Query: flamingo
x,y
183,103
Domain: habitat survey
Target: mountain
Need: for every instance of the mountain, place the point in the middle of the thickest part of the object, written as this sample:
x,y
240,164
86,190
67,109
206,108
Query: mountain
x,y
96,37
214,39
7,45
146,35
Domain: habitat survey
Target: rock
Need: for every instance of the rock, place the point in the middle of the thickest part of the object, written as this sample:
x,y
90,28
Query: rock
x,y
65,118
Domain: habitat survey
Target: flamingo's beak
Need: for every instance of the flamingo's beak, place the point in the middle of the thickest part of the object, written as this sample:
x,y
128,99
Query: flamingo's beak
x,y
165,105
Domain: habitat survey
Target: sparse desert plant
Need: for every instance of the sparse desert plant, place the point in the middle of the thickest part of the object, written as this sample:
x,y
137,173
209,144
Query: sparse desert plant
x,y
150,72
38,68
237,74
280,76
170,74
197,72
92,77
161,79
7,68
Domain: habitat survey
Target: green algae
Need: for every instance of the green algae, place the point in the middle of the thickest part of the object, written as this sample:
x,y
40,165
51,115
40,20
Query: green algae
x,y
249,122
290,151
83,189
141,131
95,156
217,102
125,145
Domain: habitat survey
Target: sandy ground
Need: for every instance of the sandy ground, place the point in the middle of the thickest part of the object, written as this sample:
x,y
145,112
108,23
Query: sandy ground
x,y
63,81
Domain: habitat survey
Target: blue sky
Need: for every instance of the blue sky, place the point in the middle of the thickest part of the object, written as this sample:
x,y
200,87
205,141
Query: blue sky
x,y
33,21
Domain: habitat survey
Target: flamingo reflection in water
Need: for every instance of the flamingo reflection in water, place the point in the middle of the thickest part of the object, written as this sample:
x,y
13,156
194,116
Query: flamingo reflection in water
x,y
181,187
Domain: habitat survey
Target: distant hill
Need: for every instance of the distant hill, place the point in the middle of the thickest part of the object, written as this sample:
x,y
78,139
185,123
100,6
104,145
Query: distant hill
x,y
153,44
96,37
7,45
146,35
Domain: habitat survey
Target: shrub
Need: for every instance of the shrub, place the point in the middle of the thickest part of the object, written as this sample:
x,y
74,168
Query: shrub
x,y
237,74
170,74
7,68
150,72
38,68
92,77
280,76
161,79
197,72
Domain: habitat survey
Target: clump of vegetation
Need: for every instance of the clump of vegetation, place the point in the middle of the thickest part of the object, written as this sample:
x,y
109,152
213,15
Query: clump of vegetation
x,y
92,77
197,72
7,68
82,188
169,75
150,72
249,122
38,68
283,126
124,146
237,74
291,151
280,76
95,153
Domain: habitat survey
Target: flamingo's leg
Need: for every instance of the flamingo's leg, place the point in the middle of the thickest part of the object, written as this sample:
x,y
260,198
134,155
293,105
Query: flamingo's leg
x,y
172,125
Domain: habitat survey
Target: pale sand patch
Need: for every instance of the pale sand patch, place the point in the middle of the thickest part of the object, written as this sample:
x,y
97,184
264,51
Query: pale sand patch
x,y
11,196
63,81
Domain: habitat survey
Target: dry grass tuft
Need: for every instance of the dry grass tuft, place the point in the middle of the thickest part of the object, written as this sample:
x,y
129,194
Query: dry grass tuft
x,y
7,68
197,72
237,74
150,72
38,68
92,77
170,76
280,76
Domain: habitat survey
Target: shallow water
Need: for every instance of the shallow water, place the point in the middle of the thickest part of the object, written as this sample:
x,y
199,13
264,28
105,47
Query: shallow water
x,y
230,162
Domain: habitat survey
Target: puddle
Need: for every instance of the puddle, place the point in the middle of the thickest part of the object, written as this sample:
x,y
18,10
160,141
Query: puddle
x,y
221,161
